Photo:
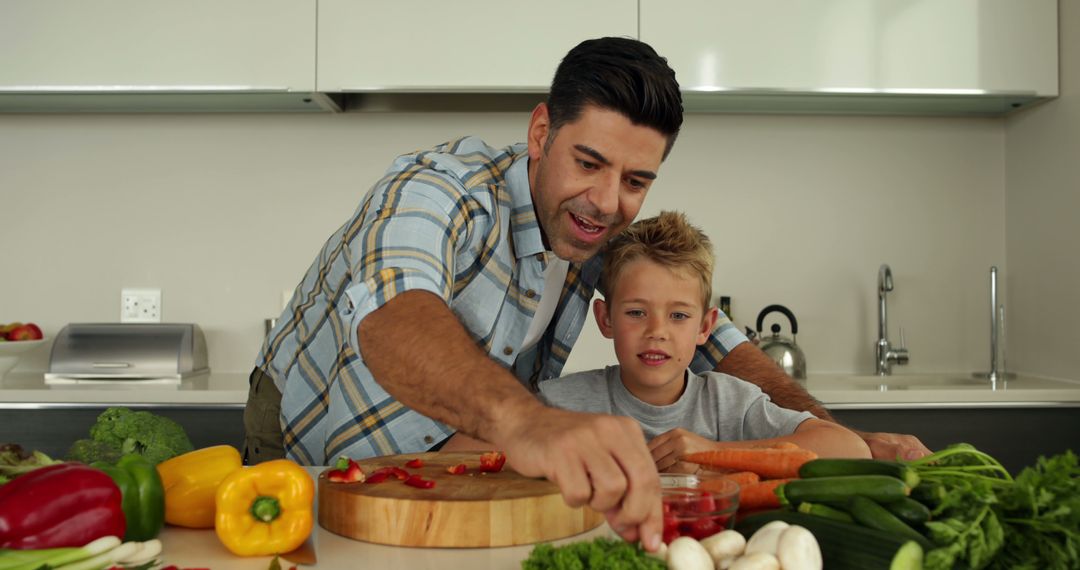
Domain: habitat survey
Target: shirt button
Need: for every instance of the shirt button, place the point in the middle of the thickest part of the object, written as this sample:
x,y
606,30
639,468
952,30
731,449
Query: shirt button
x,y
428,439
508,351
539,257
530,293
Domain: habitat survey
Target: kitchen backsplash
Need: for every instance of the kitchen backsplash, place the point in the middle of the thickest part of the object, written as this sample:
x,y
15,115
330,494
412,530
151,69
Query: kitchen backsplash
x,y
223,212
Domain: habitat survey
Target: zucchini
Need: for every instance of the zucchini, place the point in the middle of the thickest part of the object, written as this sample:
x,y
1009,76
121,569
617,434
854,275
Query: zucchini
x,y
873,515
820,510
909,510
881,488
846,546
841,467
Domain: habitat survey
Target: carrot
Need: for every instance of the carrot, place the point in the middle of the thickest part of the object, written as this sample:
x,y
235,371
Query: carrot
x,y
785,445
743,478
770,463
760,495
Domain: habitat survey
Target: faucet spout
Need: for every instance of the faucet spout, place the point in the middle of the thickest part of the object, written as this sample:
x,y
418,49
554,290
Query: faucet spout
x,y
884,353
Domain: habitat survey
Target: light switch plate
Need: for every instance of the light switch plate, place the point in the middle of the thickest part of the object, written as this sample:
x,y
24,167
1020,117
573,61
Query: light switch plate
x,y
140,305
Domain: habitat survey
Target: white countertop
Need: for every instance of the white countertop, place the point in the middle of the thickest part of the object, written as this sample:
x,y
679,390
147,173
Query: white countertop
x,y
835,391
188,548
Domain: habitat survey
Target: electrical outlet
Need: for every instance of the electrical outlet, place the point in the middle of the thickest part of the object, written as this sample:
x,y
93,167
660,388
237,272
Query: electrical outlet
x,y
140,305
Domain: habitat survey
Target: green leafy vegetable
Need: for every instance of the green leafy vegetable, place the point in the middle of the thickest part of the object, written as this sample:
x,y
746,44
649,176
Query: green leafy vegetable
x,y
120,431
1041,512
599,554
983,518
14,461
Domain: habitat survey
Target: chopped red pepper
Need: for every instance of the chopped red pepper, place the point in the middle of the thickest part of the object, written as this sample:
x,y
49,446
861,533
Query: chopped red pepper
x,y
415,463
419,483
348,471
492,461
456,469
395,472
377,477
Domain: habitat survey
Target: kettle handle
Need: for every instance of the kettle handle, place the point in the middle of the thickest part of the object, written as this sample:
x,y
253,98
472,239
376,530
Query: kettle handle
x,y
778,309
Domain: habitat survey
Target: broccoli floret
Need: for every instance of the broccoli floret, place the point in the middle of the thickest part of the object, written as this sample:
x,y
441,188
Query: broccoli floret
x,y
119,431
88,451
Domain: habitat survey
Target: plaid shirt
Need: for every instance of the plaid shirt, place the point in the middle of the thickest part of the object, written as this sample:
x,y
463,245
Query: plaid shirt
x,y
458,221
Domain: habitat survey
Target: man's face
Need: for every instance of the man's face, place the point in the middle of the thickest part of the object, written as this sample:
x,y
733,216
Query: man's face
x,y
589,181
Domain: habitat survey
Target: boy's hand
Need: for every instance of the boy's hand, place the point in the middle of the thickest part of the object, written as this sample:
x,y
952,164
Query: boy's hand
x,y
668,447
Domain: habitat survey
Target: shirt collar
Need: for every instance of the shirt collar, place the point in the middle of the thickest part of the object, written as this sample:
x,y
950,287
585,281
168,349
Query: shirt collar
x,y
524,228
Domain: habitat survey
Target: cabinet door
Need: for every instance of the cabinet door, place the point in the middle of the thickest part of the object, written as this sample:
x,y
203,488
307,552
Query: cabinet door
x,y
855,46
140,45
465,45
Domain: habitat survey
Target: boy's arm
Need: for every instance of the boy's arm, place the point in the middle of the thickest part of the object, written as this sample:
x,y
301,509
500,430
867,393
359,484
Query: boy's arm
x,y
823,438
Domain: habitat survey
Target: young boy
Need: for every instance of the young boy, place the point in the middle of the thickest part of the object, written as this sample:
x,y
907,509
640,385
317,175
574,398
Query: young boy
x,y
657,283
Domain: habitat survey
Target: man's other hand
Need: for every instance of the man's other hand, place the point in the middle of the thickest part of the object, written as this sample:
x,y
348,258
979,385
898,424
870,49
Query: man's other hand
x,y
894,445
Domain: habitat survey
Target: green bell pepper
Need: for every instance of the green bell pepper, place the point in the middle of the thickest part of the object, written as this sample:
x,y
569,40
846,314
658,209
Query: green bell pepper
x,y
143,495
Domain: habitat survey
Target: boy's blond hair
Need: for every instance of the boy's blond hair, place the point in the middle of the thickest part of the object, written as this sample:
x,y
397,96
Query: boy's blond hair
x,y
668,239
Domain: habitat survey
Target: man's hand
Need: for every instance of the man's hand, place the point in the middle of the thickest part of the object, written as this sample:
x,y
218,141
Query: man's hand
x,y
596,460
668,447
894,445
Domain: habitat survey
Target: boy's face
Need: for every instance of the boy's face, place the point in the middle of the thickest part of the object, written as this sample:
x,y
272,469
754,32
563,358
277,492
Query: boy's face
x,y
588,184
656,318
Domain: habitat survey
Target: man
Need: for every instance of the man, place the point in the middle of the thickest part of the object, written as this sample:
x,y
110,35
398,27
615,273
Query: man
x,y
463,280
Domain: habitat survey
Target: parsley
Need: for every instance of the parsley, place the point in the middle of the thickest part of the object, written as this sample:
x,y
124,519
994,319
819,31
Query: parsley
x,y
983,518
599,554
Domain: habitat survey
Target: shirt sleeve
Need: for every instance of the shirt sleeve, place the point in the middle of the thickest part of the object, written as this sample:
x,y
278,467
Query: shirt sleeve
x,y
407,239
762,419
725,337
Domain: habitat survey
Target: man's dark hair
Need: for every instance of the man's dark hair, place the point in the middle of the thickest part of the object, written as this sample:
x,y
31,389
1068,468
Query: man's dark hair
x,y
620,74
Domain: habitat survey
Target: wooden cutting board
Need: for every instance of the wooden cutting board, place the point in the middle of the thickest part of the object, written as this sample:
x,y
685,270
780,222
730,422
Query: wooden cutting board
x,y
464,511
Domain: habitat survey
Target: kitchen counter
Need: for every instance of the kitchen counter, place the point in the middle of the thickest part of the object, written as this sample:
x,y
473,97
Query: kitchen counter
x,y
835,391
217,390
187,548
940,390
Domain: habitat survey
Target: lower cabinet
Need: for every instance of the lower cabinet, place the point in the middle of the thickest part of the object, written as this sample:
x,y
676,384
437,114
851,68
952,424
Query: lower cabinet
x,y
1014,436
53,430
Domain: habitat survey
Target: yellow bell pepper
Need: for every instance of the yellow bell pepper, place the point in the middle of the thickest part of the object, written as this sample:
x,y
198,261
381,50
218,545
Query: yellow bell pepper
x,y
266,509
191,481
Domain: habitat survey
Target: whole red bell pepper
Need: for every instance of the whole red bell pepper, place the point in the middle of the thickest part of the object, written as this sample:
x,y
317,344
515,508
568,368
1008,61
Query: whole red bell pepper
x,y
68,504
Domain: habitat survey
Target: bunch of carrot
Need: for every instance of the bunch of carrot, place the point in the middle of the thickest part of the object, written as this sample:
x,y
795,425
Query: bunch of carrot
x,y
757,470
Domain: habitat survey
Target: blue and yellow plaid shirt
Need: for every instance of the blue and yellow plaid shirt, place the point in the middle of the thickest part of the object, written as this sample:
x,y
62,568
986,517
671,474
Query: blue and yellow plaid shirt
x,y
458,221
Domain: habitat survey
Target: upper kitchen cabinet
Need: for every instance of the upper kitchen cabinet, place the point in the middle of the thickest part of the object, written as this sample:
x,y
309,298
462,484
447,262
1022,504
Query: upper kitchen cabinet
x,y
849,56
465,46
158,55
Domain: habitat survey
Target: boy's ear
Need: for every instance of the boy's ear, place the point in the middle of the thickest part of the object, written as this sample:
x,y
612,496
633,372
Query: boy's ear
x,y
708,322
603,318
539,125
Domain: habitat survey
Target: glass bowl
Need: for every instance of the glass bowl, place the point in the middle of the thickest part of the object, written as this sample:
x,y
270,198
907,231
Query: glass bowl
x,y
697,505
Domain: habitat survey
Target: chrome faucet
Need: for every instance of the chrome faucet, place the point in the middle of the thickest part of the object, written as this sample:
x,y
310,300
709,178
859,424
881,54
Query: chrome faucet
x,y
884,352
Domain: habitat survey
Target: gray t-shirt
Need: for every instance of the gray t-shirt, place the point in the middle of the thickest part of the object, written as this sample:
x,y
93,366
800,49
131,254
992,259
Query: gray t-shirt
x,y
715,406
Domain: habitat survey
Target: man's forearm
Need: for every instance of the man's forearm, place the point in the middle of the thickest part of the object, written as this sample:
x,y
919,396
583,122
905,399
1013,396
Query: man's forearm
x,y
749,363
421,354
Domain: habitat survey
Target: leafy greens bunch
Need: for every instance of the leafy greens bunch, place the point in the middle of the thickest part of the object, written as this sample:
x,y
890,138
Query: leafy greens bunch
x,y
599,554
983,518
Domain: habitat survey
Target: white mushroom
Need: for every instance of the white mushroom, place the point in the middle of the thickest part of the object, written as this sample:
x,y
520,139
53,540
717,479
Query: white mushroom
x,y
685,553
726,544
756,561
766,538
798,550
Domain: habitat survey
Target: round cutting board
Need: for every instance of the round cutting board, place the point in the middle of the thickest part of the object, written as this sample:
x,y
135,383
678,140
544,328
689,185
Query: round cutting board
x,y
473,509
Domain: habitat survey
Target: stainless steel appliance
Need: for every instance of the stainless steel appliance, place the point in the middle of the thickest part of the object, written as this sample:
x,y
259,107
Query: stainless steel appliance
x,y
137,352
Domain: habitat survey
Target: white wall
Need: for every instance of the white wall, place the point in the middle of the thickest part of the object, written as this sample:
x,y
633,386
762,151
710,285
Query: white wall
x,y
1043,200
223,212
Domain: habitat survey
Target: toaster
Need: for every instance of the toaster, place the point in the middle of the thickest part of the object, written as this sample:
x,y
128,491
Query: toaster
x,y
146,352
